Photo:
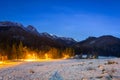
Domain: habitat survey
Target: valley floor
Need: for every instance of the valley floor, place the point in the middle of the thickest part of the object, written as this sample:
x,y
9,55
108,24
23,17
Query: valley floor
x,y
71,69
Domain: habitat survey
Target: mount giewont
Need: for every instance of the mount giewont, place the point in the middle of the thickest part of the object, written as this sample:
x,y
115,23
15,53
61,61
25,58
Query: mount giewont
x,y
11,32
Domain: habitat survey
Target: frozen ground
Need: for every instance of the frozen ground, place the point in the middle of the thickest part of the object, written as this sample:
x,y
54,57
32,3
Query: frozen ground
x,y
82,69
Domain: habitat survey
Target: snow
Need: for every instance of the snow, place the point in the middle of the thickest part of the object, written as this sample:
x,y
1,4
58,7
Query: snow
x,y
67,38
31,28
56,37
71,69
46,34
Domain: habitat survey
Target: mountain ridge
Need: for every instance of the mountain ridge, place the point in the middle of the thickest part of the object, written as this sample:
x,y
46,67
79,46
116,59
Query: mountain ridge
x,y
13,33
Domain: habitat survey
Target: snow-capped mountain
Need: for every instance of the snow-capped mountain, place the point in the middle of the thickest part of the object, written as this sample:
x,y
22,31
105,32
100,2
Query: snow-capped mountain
x,y
66,40
20,32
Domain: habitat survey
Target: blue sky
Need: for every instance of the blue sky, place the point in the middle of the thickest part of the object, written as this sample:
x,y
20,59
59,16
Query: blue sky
x,y
78,19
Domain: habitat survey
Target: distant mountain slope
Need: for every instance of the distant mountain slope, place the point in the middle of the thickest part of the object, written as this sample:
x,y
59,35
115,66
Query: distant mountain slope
x,y
105,45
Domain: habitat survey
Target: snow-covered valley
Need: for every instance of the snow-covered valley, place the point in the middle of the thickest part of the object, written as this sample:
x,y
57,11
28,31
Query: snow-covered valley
x,y
71,69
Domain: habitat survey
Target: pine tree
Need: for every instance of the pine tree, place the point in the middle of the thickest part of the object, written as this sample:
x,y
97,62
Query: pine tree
x,y
20,51
14,52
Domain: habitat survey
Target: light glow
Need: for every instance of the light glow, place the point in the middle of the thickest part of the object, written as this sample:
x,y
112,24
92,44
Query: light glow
x,y
47,57
31,56
66,56
1,62
30,60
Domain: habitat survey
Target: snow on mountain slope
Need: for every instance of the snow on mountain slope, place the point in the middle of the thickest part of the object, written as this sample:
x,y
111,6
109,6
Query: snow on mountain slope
x,y
66,40
31,28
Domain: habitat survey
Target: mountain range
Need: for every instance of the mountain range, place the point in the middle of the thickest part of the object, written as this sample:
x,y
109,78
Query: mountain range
x,y
13,33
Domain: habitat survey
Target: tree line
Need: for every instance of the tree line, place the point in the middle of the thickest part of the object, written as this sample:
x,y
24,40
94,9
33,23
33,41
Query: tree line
x,y
20,51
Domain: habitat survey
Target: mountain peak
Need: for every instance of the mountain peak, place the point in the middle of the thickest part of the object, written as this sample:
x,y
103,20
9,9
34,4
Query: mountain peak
x,y
31,28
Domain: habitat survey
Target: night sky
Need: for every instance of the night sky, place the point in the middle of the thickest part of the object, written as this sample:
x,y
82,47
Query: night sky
x,y
78,19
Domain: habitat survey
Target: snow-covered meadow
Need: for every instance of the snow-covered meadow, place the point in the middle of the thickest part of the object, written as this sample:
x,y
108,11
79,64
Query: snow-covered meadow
x,y
70,69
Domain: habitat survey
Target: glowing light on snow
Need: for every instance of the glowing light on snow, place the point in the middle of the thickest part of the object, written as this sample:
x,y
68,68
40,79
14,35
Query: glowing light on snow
x,y
30,57
29,60
66,56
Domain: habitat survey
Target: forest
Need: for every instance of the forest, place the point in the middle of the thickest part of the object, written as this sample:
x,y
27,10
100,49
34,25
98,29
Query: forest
x,y
20,51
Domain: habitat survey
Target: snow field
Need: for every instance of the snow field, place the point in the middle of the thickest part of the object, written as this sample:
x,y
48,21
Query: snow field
x,y
72,69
